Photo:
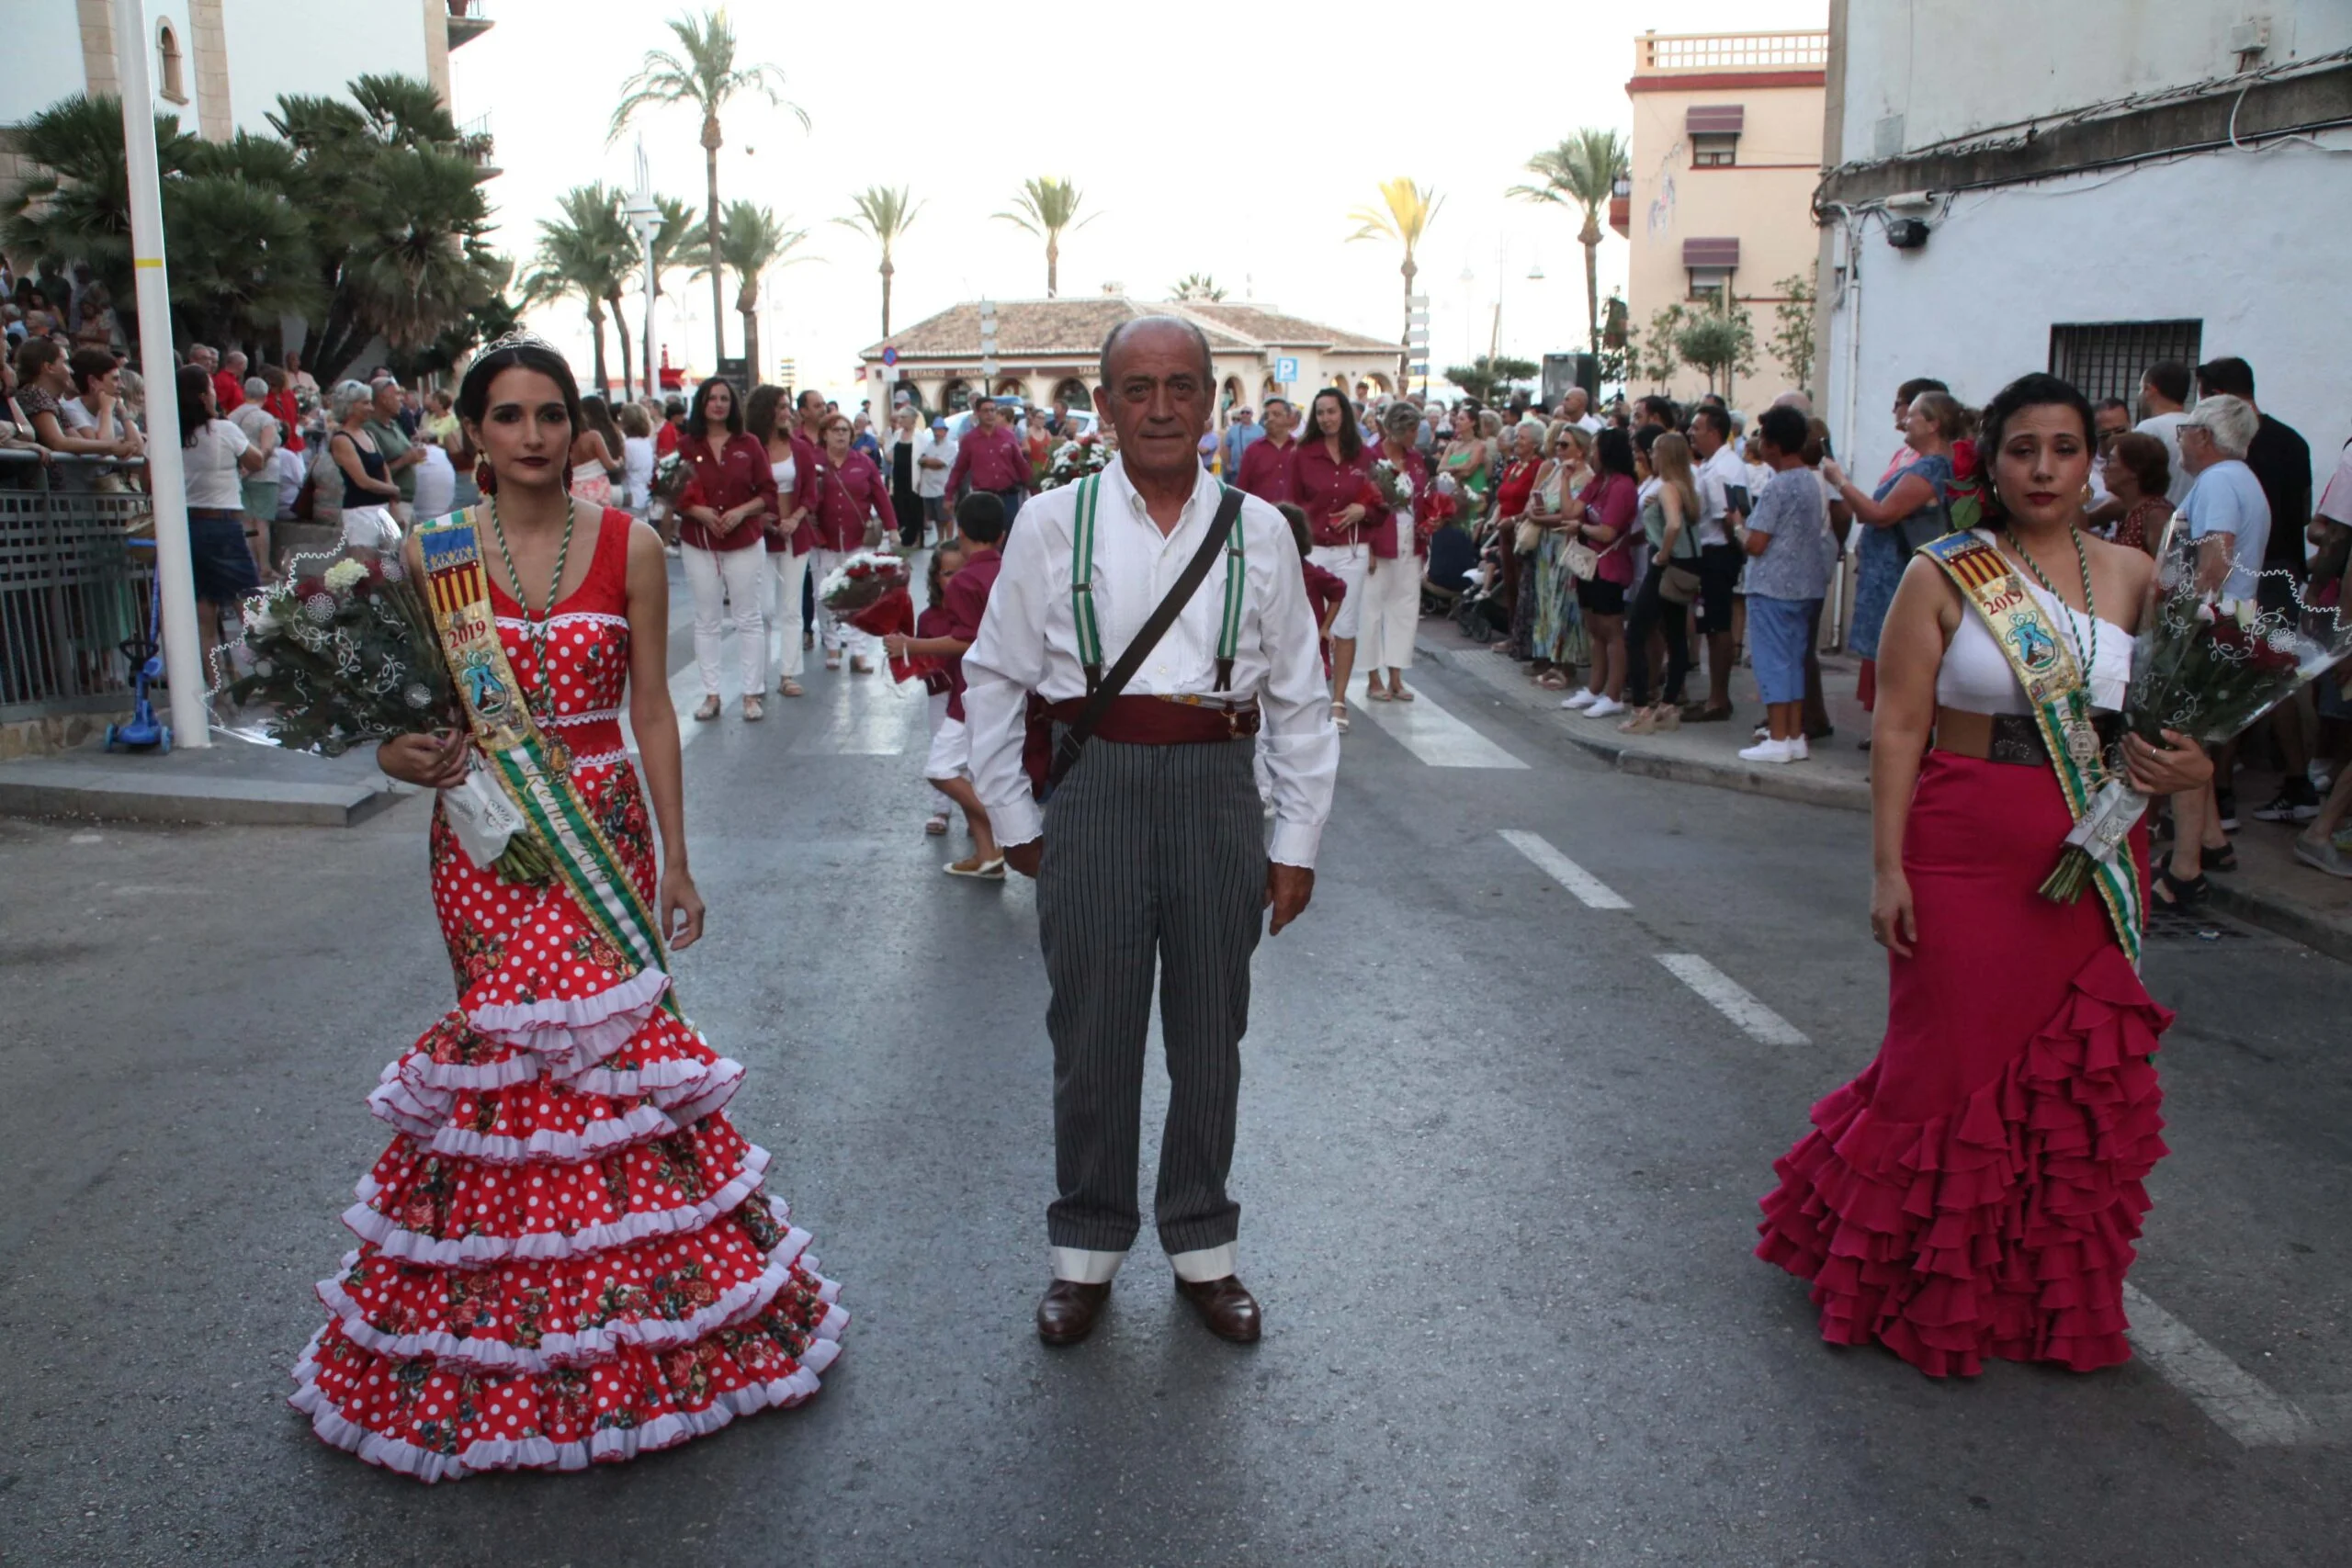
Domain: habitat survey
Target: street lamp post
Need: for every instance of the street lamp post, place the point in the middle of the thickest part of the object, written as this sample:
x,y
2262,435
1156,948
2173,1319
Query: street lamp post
x,y
166,482
645,217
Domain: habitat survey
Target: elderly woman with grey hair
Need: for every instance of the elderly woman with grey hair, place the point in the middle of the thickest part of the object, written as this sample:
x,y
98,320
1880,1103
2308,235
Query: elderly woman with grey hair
x,y
368,492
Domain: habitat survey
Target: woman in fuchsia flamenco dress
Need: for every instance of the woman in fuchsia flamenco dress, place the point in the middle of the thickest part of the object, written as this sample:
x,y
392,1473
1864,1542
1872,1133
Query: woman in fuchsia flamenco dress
x,y
1976,1191
568,1254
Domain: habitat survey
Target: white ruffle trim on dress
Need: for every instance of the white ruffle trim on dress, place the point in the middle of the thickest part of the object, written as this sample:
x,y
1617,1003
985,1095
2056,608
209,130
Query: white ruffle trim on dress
x,y
423,1113
544,1453
582,1028
587,1347
396,1241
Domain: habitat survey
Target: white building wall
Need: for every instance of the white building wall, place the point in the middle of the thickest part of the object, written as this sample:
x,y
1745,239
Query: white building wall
x,y
1951,70
2235,240
44,57
315,48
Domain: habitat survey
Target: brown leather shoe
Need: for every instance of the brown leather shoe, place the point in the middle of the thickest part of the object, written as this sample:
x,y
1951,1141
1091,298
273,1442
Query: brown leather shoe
x,y
1226,1307
1066,1313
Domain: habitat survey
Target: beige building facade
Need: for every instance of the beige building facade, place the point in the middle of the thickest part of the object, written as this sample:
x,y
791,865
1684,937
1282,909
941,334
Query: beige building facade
x,y
1725,152
1048,350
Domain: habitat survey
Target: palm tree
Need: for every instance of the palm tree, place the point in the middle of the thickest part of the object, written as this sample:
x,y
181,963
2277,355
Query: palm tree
x,y
751,244
588,252
883,214
1582,172
1406,212
1046,207
1197,285
703,73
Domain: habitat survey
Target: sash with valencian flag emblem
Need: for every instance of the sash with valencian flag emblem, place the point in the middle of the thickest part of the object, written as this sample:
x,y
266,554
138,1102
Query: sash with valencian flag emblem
x,y
532,770
2060,698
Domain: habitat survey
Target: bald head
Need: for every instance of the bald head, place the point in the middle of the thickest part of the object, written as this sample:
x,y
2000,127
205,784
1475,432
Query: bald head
x,y
1141,324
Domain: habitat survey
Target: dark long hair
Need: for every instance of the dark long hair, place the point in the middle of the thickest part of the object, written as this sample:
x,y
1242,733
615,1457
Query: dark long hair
x,y
1350,438
698,425
1612,451
473,392
599,416
2035,390
760,414
193,381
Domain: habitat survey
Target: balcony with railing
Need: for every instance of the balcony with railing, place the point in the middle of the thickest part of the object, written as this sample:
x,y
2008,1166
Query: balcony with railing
x,y
469,19
475,142
1669,54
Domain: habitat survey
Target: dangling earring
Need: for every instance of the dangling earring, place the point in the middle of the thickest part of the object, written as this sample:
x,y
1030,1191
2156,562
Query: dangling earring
x,y
485,477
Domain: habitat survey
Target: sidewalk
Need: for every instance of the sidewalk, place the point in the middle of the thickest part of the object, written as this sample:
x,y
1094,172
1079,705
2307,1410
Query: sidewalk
x,y
2272,890
232,781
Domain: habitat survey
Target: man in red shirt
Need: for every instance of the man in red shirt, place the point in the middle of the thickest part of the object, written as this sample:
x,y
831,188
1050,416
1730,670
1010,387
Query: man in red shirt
x,y
1265,470
674,425
979,520
229,383
991,459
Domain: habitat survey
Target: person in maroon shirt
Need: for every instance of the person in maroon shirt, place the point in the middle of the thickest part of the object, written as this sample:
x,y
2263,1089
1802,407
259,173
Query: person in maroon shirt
x,y
792,463
979,522
718,540
229,383
850,491
1329,483
1266,463
1392,589
991,459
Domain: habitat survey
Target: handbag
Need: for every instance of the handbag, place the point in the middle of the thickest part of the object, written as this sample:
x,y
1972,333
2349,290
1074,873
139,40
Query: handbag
x,y
1677,584
1581,560
1529,537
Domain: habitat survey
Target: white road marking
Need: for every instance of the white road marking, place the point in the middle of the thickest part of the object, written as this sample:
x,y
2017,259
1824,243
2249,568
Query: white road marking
x,y
1594,893
2239,1403
1429,732
870,716
1732,1000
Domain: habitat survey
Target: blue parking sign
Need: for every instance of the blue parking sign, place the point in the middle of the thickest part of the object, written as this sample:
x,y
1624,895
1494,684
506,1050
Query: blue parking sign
x,y
1287,370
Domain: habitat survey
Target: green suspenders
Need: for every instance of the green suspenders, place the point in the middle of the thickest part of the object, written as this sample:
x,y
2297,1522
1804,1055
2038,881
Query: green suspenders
x,y
1081,591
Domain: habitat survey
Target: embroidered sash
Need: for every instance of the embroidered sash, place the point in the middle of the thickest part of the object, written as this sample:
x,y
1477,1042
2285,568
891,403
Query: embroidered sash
x,y
1081,591
2060,698
533,770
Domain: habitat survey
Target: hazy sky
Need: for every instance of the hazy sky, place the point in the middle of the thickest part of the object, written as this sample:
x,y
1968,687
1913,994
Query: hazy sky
x,y
1231,146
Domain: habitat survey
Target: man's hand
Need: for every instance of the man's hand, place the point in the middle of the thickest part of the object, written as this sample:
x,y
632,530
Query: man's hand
x,y
1288,889
1026,858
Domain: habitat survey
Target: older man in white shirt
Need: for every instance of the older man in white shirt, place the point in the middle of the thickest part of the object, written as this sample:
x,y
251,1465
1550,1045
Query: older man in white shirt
x,y
1149,851
935,455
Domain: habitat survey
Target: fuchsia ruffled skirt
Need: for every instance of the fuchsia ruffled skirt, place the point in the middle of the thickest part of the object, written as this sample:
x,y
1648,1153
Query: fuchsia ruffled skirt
x,y
1976,1191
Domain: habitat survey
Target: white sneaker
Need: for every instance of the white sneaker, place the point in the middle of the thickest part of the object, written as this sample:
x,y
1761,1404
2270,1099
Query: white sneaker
x,y
1582,700
1805,747
1769,751
1607,707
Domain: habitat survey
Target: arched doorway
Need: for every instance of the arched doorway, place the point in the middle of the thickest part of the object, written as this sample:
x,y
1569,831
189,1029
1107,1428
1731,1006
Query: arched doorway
x,y
955,396
1229,395
1073,391
1012,386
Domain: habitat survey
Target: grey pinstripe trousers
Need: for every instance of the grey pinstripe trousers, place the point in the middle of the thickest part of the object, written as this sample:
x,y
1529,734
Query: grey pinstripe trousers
x,y
1152,852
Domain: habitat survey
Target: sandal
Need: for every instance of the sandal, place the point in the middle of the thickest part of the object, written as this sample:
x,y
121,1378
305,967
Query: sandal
x,y
2170,893
790,687
1340,716
832,660
1399,694
1553,680
709,709
935,827
752,711
974,866
2224,859
861,667
1699,713
1376,693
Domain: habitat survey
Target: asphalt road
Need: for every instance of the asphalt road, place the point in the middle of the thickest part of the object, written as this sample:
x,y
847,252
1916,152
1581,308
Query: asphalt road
x,y
1498,1164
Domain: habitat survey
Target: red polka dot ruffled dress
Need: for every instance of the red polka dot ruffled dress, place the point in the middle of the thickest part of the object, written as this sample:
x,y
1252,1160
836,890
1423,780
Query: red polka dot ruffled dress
x,y
566,1255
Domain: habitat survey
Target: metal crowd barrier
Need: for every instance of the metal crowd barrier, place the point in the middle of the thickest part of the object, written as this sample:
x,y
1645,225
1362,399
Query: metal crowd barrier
x,y
73,588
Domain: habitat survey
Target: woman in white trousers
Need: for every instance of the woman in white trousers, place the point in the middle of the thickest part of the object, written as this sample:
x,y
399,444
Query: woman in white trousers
x,y
1392,585
722,527
792,464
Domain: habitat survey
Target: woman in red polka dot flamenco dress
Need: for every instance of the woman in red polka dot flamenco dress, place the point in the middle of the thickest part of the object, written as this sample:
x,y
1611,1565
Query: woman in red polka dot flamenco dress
x,y
567,1254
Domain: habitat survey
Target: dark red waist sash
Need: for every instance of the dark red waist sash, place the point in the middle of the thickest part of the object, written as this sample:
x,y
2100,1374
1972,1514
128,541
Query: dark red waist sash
x,y
1164,721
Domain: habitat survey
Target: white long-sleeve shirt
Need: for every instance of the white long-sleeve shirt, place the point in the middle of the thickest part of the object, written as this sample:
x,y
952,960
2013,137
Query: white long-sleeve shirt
x,y
1028,642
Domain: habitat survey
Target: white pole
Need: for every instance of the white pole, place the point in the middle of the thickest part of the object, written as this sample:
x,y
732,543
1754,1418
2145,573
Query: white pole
x,y
174,577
